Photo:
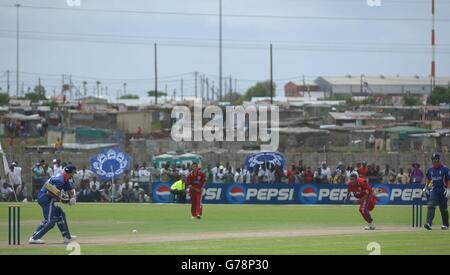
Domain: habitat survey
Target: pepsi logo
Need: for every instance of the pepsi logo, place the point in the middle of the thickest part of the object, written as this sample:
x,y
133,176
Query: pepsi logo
x,y
236,194
308,194
382,192
161,193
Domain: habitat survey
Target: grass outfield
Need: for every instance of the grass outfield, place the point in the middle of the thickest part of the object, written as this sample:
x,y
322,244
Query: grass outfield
x,y
228,229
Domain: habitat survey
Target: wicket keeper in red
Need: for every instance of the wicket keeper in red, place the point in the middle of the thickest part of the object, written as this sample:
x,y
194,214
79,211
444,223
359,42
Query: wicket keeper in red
x,y
196,181
365,197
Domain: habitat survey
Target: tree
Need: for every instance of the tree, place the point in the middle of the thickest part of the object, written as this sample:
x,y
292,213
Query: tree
x,y
235,98
261,89
35,97
50,103
152,94
4,98
439,95
411,100
129,97
39,90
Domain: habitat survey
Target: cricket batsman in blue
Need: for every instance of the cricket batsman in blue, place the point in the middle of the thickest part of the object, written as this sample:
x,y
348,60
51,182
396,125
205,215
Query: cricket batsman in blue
x,y
57,188
438,191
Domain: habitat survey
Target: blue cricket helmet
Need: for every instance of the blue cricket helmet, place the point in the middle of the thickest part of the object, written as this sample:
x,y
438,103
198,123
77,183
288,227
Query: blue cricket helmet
x,y
436,156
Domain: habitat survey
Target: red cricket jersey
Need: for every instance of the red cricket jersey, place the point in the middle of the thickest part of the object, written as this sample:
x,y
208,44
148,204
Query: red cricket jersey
x,y
362,189
198,181
363,171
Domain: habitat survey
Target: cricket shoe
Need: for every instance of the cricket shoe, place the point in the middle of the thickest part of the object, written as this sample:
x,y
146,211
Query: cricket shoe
x,y
444,227
67,240
35,241
369,227
199,217
427,226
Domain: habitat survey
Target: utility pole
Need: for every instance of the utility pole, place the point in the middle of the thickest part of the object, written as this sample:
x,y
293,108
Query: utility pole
x,y
182,95
225,88
7,82
156,76
213,91
98,88
85,88
165,91
202,85
207,89
196,74
39,85
17,64
220,49
271,75
231,87
124,88
235,85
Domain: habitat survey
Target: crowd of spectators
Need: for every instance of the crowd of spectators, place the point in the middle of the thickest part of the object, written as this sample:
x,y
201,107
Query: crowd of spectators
x,y
136,185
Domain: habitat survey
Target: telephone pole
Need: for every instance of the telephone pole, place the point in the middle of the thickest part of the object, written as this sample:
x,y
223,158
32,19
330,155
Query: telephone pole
x,y
156,76
271,75
182,95
17,64
7,82
220,49
196,74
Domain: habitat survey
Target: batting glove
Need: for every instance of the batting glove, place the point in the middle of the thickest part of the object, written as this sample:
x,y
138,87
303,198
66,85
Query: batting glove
x,y
72,201
447,192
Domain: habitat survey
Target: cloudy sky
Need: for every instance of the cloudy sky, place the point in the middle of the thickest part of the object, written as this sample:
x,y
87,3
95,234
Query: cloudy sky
x,y
112,41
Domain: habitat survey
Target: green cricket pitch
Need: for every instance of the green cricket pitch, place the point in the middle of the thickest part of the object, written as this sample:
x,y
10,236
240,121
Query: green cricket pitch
x,y
227,229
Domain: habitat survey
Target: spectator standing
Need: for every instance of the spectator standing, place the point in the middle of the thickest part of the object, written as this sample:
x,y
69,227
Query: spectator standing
x,y
308,175
144,178
247,175
154,171
291,174
208,172
402,178
326,173
262,174
165,173
57,167
220,176
116,192
84,176
58,144
238,176
214,171
37,177
363,171
14,176
318,176
134,174
279,174
416,174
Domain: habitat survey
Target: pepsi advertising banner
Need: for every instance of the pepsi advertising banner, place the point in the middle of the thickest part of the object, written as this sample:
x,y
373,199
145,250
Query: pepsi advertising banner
x,y
293,193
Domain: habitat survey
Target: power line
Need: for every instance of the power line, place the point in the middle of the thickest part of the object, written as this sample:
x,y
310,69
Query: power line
x,y
329,48
232,15
213,40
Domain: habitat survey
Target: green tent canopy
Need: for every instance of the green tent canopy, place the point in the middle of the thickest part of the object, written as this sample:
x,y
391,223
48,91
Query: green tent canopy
x,y
405,131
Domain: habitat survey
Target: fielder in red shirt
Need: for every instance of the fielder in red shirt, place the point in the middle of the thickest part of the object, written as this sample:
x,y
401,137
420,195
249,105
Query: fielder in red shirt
x,y
365,197
196,181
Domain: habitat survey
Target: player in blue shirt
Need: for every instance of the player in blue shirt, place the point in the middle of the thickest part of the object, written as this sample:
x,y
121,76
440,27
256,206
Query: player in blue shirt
x,y
57,188
439,190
